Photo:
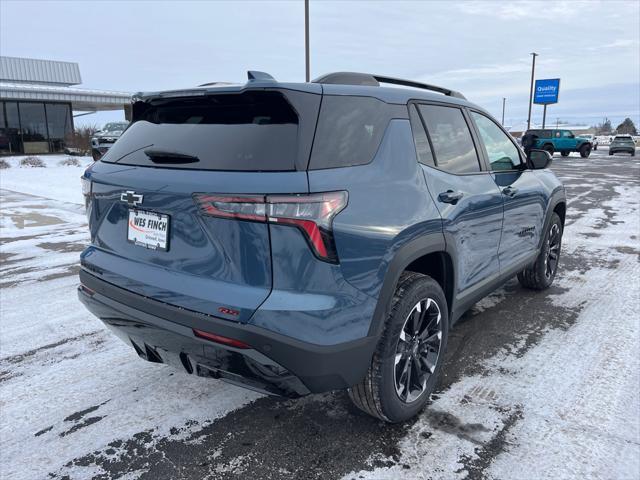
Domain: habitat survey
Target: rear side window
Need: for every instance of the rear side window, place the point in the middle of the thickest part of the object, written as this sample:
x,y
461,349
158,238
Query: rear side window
x,y
541,133
452,142
349,131
423,149
256,131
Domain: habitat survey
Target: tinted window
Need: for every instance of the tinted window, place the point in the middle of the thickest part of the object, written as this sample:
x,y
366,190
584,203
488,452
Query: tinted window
x,y
34,125
451,138
59,125
502,153
250,131
423,148
10,138
541,133
349,131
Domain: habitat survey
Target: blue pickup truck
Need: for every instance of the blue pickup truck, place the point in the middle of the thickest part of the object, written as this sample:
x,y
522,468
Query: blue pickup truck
x,y
563,141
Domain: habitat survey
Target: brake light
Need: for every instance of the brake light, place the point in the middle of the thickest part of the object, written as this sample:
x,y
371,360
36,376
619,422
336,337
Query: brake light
x,y
312,214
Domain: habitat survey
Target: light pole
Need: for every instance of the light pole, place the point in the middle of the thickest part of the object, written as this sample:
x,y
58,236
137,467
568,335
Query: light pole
x,y
503,102
533,69
306,41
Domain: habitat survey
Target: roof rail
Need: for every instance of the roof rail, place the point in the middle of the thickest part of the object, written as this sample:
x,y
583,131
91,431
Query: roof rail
x,y
211,84
355,78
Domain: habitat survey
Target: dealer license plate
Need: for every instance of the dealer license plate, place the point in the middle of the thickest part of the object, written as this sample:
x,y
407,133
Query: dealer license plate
x,y
148,229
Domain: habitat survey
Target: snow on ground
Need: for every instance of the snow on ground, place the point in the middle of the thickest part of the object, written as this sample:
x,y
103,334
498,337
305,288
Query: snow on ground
x,y
570,407
53,181
537,384
67,385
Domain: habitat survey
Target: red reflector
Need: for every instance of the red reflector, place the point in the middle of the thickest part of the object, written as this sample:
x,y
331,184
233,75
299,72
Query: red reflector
x,y
87,290
220,339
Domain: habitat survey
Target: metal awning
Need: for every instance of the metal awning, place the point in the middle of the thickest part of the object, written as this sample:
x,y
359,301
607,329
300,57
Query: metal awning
x,y
81,99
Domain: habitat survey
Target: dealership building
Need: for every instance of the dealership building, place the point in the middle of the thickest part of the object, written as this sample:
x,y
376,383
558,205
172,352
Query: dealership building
x,y
38,100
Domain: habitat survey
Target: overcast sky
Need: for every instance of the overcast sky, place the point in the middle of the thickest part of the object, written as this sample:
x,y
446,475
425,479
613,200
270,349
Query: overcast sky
x,y
480,48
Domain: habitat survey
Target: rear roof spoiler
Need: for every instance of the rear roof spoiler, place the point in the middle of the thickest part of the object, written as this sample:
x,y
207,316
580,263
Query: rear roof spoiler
x,y
368,79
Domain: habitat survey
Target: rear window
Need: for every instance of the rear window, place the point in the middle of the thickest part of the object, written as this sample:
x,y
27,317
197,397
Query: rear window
x,y
455,151
256,131
349,131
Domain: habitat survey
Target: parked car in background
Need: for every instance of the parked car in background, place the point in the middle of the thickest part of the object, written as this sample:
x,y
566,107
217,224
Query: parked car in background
x,y
298,238
559,140
622,144
592,138
103,139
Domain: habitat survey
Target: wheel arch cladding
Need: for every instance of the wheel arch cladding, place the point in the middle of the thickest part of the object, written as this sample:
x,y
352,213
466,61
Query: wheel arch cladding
x,y
561,209
415,253
439,266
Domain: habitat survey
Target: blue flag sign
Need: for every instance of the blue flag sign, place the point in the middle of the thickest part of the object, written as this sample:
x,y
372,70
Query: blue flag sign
x,y
546,91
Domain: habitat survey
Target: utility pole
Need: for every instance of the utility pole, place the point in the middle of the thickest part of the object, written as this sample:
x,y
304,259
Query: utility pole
x,y
533,69
503,102
306,41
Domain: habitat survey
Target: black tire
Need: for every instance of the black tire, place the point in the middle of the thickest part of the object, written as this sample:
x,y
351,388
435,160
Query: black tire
x,y
541,273
595,148
585,151
379,393
610,152
549,148
564,153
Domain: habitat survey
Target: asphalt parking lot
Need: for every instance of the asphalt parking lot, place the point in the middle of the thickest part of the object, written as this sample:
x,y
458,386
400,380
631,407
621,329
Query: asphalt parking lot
x,y
537,385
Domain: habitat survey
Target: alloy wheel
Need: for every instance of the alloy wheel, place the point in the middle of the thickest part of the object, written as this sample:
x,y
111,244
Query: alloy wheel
x,y
553,251
418,350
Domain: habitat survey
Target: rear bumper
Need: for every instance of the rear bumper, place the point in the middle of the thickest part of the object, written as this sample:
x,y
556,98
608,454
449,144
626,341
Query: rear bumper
x,y
275,364
622,149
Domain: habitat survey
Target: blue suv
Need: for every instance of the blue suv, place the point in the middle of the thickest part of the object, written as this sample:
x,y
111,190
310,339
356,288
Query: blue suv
x,y
296,238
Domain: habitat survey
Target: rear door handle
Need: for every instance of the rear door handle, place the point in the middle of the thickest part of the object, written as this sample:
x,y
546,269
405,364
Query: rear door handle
x,y
509,191
450,197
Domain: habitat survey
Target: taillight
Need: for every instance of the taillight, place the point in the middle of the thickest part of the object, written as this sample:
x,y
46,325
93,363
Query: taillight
x,y
312,214
86,193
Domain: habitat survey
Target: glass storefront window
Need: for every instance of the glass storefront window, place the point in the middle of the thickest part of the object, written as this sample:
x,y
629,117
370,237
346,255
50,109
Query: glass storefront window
x,y
10,141
34,128
59,125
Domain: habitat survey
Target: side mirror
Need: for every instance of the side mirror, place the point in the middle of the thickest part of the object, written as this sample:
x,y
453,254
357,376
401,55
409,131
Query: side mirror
x,y
539,159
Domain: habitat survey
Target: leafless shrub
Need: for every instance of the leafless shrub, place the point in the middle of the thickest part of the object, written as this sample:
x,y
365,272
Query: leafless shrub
x,y
32,162
4,164
69,162
79,141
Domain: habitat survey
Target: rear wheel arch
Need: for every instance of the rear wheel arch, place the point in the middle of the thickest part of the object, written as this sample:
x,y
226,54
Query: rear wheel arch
x,y
439,266
415,254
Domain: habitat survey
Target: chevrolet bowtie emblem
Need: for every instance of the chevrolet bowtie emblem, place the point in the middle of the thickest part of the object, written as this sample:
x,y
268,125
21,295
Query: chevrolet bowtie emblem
x,y
132,198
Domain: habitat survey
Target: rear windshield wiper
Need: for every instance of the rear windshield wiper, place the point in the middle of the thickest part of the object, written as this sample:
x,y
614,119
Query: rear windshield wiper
x,y
168,156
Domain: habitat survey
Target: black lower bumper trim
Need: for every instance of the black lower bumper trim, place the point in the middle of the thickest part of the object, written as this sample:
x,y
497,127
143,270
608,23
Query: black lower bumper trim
x,y
318,368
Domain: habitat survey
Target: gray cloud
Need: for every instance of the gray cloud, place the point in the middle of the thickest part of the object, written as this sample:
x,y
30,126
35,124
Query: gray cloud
x,y
481,48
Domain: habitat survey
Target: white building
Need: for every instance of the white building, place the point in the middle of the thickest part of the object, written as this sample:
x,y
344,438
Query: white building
x,y
38,99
